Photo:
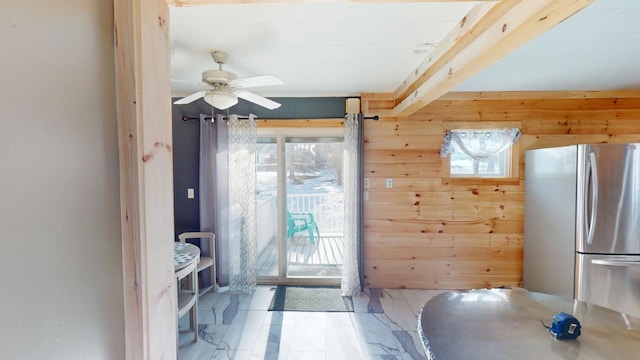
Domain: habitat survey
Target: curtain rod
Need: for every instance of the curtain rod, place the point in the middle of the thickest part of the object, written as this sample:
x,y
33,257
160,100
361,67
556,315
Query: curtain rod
x,y
187,118
374,117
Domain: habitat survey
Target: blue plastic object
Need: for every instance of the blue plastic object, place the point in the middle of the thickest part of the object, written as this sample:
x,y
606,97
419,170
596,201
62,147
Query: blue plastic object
x,y
565,326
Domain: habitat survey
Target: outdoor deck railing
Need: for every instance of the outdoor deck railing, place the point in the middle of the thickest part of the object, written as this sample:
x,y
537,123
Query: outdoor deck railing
x,y
327,209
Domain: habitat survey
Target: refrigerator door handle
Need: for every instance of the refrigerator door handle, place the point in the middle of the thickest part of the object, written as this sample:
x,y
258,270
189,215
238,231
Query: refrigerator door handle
x,y
624,263
594,197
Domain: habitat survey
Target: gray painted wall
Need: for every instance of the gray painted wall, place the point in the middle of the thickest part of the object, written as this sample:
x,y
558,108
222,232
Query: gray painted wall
x,y
60,252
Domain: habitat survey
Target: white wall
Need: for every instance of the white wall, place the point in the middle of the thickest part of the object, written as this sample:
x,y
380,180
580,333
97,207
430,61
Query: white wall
x,y
60,249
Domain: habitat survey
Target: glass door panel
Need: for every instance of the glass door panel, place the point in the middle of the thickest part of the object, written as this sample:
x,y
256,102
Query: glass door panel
x,y
314,207
266,207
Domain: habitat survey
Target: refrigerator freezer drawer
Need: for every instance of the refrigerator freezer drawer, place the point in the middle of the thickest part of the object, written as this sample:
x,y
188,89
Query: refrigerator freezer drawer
x,y
609,281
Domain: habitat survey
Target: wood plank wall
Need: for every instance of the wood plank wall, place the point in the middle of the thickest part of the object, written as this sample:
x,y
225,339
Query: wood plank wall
x,y
427,232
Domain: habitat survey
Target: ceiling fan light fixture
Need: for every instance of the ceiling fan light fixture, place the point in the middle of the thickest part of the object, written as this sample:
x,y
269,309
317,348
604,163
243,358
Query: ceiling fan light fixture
x,y
221,99
226,88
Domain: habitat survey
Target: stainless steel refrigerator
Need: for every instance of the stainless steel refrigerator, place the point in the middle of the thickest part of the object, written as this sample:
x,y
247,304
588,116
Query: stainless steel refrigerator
x,y
608,226
582,212
550,220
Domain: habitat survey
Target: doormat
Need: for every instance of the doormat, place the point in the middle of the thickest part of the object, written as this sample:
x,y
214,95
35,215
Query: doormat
x,y
310,298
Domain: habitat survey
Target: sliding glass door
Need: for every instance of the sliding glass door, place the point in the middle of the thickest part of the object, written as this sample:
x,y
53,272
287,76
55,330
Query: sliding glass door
x,y
300,241
267,207
315,207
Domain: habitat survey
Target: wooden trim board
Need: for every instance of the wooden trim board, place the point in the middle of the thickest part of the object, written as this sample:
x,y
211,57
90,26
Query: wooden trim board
x,y
141,30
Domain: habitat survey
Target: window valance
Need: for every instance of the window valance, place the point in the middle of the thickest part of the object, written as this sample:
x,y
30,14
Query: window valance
x,y
479,144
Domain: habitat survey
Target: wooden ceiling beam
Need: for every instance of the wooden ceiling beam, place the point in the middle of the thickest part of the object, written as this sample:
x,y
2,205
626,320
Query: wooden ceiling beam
x,y
457,39
505,27
223,2
523,95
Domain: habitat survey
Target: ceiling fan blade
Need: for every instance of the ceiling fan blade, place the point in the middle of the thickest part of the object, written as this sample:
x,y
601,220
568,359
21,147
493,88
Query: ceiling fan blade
x,y
257,99
253,81
191,98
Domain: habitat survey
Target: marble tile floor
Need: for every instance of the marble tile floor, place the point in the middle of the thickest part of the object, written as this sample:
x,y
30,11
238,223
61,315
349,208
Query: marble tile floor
x,y
382,326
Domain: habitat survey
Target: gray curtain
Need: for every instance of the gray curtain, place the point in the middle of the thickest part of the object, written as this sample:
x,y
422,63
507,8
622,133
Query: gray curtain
x,y
214,192
361,200
352,273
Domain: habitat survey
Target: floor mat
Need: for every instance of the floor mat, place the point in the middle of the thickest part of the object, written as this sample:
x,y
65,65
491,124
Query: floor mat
x,y
310,298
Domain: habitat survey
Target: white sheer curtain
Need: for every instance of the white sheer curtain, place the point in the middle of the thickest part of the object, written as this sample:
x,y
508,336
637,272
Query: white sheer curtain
x,y
242,240
210,206
479,144
350,268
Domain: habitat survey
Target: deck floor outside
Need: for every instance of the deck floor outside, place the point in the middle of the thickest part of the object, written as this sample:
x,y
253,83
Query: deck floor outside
x,y
324,259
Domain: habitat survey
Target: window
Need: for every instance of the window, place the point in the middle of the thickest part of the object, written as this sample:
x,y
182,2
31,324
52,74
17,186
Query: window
x,y
481,153
462,165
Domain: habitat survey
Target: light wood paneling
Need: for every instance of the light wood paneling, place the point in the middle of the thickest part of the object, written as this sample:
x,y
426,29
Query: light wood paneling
x,y
399,170
432,232
380,156
448,198
403,128
416,240
471,253
409,142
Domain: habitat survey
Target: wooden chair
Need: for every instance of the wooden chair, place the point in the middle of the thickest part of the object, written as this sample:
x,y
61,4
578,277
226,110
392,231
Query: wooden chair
x,y
206,261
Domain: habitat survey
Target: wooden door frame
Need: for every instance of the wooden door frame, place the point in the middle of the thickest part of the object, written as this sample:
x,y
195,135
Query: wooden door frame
x,y
142,64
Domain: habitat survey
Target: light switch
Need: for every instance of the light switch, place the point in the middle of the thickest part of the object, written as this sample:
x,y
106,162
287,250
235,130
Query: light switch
x,y
366,183
365,195
389,183
190,193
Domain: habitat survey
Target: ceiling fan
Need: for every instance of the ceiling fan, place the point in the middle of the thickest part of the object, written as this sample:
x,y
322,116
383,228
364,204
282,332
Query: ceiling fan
x,y
226,88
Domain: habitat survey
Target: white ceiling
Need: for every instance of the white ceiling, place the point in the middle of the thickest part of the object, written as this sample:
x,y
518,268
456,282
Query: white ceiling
x,y
347,48
317,49
596,49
